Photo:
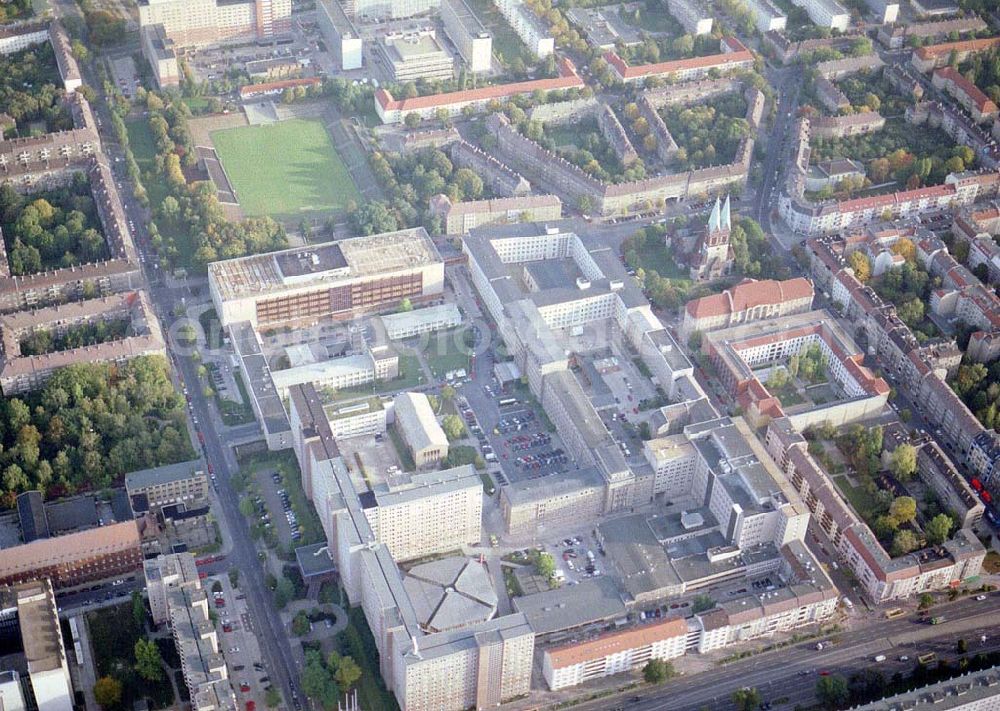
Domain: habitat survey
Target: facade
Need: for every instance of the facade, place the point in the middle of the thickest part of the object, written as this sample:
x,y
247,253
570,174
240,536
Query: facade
x,y
76,559
420,430
158,49
826,13
461,217
356,419
746,302
391,110
468,34
23,373
415,55
196,23
183,483
693,16
173,581
767,16
333,280
894,37
614,653
415,323
528,26
435,513
375,364
341,35
373,10
15,38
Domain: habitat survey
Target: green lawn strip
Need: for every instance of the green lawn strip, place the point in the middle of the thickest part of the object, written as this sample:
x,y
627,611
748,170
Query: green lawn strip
x,y
287,169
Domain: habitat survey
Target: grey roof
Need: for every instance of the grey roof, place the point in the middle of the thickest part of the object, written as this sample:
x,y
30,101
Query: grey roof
x,y
428,484
451,592
31,515
530,490
416,419
163,475
72,514
641,560
257,375
593,600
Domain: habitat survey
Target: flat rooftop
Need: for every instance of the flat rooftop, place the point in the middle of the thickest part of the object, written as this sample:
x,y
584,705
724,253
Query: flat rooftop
x,y
163,475
413,47
40,632
590,601
333,261
468,19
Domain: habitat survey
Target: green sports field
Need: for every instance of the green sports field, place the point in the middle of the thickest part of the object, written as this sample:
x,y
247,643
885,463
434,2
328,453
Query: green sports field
x,y
286,169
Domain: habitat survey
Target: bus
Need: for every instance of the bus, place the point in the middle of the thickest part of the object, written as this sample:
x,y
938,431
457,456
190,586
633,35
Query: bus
x,y
926,659
507,401
893,614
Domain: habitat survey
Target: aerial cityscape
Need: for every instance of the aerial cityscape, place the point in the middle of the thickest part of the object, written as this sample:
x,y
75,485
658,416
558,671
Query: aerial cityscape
x,y
434,355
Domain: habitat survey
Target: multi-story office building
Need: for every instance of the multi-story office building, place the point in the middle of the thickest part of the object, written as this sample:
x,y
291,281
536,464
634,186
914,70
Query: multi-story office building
x,y
183,483
479,664
195,23
372,10
420,430
158,49
415,55
77,559
29,610
461,217
693,16
341,35
163,573
468,34
333,280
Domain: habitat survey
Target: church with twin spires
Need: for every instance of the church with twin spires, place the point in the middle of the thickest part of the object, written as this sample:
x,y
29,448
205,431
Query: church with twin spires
x,y
712,256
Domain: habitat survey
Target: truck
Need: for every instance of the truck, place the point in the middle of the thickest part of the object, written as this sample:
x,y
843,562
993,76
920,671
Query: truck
x,y
937,619
879,658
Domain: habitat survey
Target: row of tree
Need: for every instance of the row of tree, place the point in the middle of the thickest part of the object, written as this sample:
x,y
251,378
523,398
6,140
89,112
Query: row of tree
x,y
44,340
709,133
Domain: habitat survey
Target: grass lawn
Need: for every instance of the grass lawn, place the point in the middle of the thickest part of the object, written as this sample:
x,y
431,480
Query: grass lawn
x,y
858,497
788,395
402,451
654,256
286,169
113,634
446,352
992,563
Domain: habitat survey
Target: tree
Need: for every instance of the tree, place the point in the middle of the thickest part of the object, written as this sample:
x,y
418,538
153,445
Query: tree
x,y
925,601
318,683
747,698
861,266
247,507
347,673
832,691
108,692
447,392
284,591
866,685
405,305
962,646
938,529
545,565
273,697
903,509
657,671
138,609
904,462
148,664
453,427
702,603
903,542
301,624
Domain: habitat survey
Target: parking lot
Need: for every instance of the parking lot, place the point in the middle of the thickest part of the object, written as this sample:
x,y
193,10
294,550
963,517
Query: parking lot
x,y
272,500
237,641
513,435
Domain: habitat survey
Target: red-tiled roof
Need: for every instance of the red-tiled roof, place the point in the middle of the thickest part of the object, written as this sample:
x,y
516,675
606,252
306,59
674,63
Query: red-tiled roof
x,y
973,45
877,201
737,55
962,84
748,294
616,642
567,79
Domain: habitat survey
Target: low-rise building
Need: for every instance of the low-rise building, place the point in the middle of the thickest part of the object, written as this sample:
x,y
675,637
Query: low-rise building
x,y
934,8
826,13
934,56
733,56
747,301
182,483
420,321
415,55
460,217
967,94
419,429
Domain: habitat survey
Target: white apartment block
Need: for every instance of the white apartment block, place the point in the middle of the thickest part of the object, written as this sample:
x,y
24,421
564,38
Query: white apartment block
x,y
693,16
367,417
341,35
528,26
468,34
826,13
18,37
767,16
